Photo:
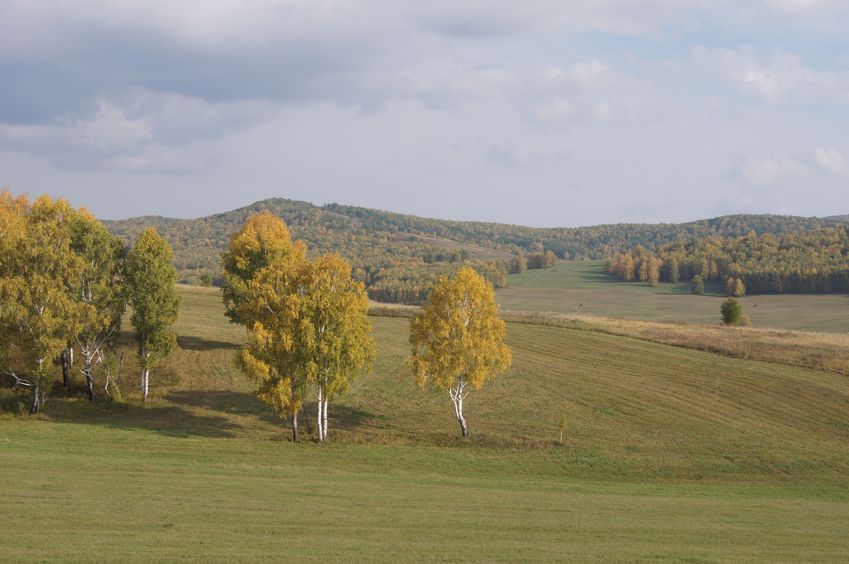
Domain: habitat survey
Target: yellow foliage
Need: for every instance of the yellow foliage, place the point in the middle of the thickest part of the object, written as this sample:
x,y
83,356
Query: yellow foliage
x,y
459,334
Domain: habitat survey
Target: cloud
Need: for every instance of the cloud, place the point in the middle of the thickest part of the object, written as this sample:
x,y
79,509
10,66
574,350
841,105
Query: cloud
x,y
777,76
832,161
138,132
769,170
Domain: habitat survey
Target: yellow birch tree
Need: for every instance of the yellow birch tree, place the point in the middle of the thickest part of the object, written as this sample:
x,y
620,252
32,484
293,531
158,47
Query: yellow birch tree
x,y
458,340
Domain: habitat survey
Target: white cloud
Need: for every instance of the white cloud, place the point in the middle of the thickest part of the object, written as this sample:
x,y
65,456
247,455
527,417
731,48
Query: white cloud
x,y
777,76
832,160
769,170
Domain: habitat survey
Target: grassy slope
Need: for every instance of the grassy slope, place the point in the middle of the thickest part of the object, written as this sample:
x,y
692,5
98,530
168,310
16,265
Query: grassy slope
x,y
672,453
583,287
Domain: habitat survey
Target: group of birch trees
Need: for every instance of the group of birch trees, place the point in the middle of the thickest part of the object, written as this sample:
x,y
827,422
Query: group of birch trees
x,y
309,333
65,283
307,320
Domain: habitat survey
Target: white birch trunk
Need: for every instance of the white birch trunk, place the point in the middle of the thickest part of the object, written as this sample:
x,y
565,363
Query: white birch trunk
x,y
319,417
144,382
324,415
457,394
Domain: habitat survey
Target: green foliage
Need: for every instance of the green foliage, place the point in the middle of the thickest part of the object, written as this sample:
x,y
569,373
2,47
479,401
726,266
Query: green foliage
x,y
150,278
732,312
697,285
98,289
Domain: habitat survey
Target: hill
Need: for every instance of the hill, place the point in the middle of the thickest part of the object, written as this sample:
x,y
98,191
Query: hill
x,y
670,453
398,256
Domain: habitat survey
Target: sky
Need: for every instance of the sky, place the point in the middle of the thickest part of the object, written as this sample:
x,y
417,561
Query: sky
x,y
539,112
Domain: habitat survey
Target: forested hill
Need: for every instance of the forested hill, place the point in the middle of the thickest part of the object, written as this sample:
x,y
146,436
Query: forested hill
x,y
396,254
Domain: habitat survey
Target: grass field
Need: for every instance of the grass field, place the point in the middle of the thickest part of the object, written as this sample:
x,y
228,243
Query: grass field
x,y
671,454
583,287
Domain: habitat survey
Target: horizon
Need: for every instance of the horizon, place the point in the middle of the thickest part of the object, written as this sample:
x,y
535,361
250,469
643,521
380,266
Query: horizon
x,y
214,213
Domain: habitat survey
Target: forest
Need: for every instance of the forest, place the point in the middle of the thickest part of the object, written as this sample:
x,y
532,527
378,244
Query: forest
x,y
815,261
399,257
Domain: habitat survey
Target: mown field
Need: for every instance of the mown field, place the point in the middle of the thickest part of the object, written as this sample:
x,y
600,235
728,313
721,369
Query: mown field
x,y
582,287
670,454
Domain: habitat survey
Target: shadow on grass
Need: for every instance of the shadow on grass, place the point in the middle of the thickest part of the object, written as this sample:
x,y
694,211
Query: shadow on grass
x,y
224,401
199,344
171,421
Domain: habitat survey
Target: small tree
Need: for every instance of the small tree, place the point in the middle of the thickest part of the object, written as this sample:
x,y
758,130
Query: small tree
x,y
458,340
732,312
739,288
697,285
735,287
150,277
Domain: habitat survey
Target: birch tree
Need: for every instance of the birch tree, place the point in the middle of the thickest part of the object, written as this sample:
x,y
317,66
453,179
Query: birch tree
x,y
270,355
263,240
458,340
37,311
261,273
150,278
98,288
333,337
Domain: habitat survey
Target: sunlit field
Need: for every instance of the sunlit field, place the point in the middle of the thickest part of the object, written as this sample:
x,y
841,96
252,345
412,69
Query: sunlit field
x,y
669,453
582,287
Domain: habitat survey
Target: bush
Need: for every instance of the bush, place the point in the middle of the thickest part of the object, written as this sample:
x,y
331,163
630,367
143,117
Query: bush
x,y
732,312
698,285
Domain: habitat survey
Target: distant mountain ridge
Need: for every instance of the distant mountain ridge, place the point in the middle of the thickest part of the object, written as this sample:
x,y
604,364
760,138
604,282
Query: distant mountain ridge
x,y
385,247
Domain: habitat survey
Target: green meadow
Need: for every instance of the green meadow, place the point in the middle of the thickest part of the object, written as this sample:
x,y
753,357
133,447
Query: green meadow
x,y
583,287
670,454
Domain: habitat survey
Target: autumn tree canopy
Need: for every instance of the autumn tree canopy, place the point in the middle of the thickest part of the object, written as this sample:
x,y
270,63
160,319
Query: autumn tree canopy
x,y
458,340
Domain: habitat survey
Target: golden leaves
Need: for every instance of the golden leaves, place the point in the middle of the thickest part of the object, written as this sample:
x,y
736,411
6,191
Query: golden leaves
x,y
459,334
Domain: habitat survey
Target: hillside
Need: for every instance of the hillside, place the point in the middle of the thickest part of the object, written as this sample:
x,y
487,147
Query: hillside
x,y
670,453
398,256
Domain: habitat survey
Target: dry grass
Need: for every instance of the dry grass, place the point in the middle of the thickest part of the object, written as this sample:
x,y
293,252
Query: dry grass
x,y
819,351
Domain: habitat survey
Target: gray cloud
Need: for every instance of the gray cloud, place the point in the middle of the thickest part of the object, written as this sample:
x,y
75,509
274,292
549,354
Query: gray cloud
x,y
463,110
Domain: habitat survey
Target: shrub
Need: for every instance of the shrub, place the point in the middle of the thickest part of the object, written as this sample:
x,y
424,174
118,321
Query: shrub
x,y
732,312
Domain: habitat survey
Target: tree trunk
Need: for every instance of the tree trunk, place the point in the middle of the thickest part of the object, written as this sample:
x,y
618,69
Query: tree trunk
x,y
36,392
66,370
120,373
71,357
457,395
295,427
37,400
88,369
145,379
462,420
319,419
324,417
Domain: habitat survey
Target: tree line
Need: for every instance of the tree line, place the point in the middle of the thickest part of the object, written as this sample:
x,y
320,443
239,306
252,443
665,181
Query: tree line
x,y
400,257
65,283
815,261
